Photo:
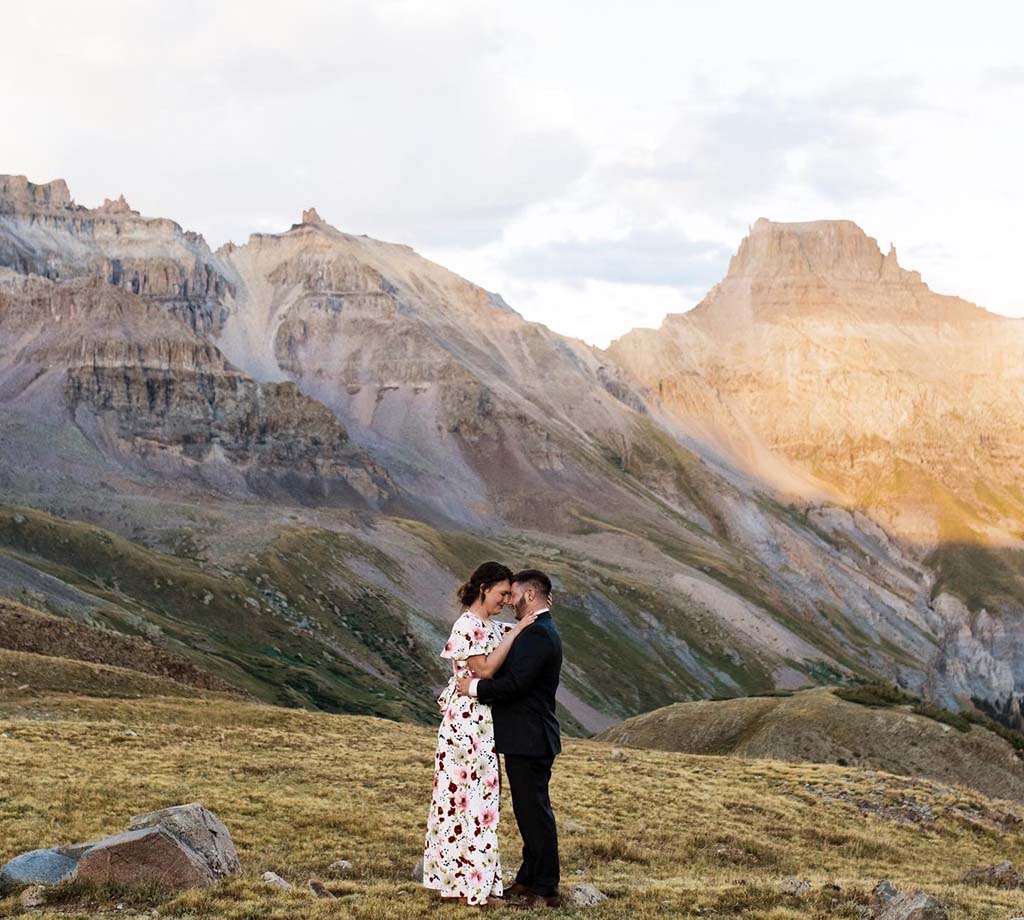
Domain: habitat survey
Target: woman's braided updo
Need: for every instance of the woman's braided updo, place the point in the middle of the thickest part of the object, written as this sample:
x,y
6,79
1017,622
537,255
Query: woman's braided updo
x,y
487,574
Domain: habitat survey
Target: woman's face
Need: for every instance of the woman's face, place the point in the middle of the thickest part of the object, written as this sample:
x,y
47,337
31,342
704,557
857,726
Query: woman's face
x,y
496,597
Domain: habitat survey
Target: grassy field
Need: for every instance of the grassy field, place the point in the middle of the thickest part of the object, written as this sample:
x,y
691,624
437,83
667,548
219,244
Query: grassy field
x,y
663,834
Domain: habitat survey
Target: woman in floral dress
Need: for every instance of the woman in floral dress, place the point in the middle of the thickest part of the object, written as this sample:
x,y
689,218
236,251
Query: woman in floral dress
x,y
460,859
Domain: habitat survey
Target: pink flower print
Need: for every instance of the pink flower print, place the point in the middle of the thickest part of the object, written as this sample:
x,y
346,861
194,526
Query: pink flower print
x,y
476,877
491,781
460,801
447,646
451,714
478,634
463,774
489,817
437,781
474,745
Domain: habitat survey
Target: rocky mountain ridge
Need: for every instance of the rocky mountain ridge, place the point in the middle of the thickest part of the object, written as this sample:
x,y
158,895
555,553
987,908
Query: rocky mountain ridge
x,y
819,350
409,424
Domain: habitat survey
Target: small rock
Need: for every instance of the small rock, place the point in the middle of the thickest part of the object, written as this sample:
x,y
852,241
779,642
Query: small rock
x,y
43,867
417,871
585,895
319,889
1001,875
915,906
571,827
883,893
275,881
792,885
32,897
616,754
340,867
19,519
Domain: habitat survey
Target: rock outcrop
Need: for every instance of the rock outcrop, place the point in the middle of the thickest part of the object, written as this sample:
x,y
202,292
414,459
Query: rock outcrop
x,y
182,847
155,394
818,350
465,403
43,232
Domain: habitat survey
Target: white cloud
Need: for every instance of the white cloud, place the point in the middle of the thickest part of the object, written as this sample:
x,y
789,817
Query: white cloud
x,y
595,162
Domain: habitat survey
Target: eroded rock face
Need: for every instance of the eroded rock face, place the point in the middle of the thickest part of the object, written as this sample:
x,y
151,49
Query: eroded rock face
x,y
465,402
818,349
43,232
830,372
155,393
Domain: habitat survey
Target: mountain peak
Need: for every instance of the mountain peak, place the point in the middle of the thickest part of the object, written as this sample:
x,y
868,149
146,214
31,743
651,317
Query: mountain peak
x,y
835,249
310,216
117,206
17,193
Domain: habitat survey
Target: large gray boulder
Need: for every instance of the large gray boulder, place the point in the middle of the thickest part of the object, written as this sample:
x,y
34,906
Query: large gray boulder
x,y
200,829
185,846
1001,875
149,854
38,867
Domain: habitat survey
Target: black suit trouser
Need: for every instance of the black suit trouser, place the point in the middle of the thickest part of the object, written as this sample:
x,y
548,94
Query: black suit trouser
x,y
528,779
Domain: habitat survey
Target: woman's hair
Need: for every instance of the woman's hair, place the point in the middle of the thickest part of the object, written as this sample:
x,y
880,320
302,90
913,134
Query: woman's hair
x,y
487,574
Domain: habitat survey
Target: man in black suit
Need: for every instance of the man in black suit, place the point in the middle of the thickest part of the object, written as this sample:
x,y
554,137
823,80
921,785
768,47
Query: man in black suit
x,y
522,699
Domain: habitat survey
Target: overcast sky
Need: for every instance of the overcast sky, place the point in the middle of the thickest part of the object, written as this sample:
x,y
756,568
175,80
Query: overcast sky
x,y
594,162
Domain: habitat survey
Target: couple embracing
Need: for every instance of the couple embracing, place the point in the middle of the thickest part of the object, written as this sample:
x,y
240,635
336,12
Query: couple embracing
x,y
500,700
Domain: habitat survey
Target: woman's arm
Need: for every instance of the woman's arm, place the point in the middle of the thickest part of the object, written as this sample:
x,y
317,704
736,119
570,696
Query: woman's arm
x,y
487,665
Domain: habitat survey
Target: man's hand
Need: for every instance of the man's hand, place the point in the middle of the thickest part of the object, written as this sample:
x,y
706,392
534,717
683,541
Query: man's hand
x,y
463,682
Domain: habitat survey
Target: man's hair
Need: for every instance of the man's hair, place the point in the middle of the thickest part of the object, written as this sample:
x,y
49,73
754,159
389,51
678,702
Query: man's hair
x,y
533,578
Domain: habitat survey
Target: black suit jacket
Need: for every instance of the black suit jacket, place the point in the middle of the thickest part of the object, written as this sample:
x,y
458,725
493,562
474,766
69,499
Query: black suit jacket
x,y
522,693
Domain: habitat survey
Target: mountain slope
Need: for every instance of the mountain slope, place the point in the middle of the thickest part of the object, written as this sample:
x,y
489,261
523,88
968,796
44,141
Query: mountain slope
x,y
340,430
817,726
819,349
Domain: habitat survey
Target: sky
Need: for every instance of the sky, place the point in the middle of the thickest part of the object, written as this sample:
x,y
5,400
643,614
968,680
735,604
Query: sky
x,y
596,163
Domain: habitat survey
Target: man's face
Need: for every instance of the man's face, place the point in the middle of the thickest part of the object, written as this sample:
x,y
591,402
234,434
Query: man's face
x,y
519,600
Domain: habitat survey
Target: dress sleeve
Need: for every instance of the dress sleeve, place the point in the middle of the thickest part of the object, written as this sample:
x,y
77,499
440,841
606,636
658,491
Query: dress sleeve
x,y
469,637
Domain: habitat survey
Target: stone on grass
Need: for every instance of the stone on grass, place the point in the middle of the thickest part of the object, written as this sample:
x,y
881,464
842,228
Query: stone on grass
x,y
417,871
1001,875
275,881
318,888
149,854
883,893
890,904
616,754
38,867
585,895
340,867
32,897
200,829
793,885
571,827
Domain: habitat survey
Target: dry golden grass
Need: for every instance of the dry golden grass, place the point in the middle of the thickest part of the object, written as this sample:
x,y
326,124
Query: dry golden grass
x,y
666,835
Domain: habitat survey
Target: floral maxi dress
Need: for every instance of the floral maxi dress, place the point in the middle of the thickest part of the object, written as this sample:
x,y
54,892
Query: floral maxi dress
x,y
460,858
